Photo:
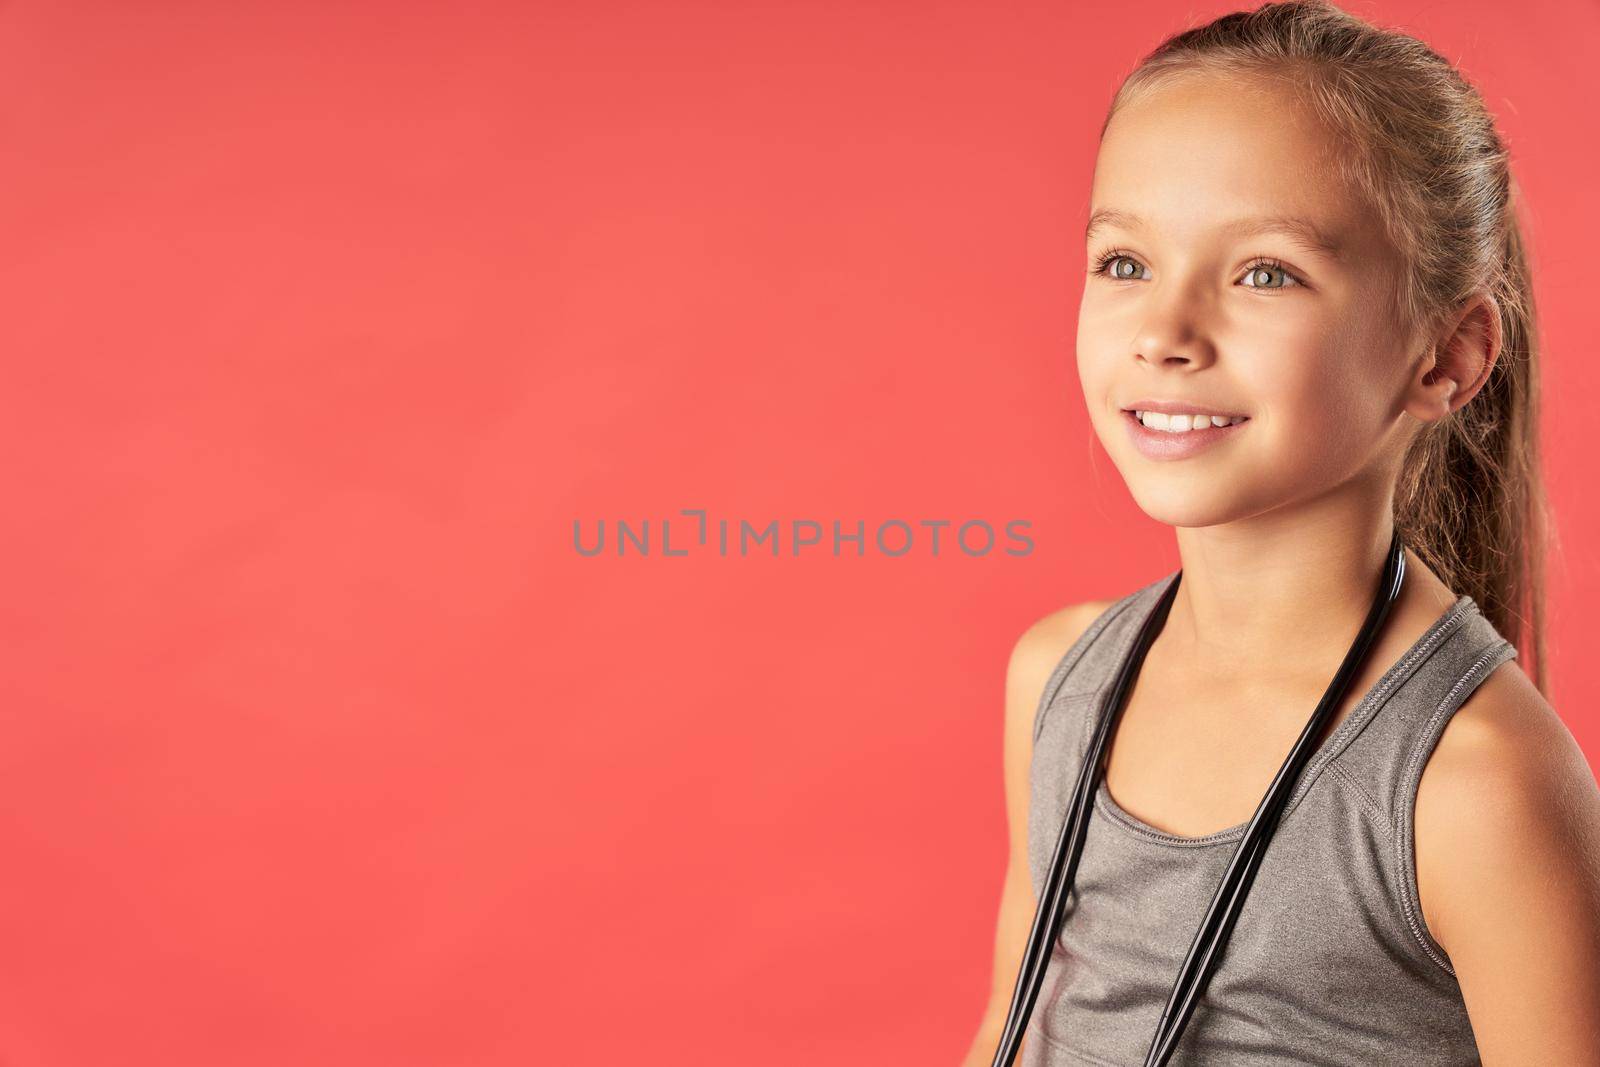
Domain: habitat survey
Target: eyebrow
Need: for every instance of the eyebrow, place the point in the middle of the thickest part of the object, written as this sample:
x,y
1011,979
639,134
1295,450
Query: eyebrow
x,y
1302,232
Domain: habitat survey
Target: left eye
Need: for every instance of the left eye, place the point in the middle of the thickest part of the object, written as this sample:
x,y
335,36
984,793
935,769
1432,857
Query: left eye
x,y
1261,275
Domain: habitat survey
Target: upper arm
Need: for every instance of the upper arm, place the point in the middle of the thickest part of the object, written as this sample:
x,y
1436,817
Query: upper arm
x,y
1507,830
1033,659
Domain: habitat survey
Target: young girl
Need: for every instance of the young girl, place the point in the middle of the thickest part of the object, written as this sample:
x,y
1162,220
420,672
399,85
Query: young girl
x,y
1307,326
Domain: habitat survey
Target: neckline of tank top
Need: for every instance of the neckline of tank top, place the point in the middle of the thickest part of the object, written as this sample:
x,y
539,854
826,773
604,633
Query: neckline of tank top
x,y
1331,745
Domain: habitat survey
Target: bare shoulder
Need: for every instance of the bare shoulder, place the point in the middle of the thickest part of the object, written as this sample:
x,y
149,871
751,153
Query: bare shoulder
x,y
1505,765
1040,647
1034,657
1505,752
1507,833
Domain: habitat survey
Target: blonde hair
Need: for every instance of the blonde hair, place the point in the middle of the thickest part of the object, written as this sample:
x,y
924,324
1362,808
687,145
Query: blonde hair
x,y
1417,144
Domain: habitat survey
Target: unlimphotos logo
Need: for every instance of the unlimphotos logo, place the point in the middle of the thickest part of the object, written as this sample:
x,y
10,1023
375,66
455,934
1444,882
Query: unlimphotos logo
x,y
725,537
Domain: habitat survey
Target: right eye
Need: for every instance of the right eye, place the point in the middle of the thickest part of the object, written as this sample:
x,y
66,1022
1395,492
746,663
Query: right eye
x,y
1124,268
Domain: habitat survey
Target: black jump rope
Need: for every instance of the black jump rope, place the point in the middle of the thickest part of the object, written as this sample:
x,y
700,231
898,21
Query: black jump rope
x,y
1206,952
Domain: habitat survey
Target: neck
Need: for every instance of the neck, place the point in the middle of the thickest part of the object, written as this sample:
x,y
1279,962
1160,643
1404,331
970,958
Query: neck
x,y
1281,593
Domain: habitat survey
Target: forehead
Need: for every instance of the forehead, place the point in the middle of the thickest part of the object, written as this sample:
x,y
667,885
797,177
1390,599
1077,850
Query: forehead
x,y
1221,156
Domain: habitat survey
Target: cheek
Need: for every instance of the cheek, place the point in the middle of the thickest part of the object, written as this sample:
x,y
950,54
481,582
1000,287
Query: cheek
x,y
1321,407
1095,372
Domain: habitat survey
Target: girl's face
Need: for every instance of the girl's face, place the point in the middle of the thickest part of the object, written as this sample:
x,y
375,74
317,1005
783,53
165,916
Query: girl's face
x,y
1202,295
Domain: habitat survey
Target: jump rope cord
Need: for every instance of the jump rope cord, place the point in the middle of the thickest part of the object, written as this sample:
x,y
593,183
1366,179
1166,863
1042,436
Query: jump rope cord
x,y
1209,942
1069,847
1205,952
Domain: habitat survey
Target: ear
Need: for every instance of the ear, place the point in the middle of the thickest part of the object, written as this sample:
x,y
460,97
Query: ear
x,y
1459,362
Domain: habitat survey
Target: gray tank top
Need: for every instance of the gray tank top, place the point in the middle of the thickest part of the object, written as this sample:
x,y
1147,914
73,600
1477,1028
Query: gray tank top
x,y
1330,962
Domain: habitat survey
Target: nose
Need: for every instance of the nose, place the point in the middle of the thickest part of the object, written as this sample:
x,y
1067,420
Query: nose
x,y
1167,347
1172,335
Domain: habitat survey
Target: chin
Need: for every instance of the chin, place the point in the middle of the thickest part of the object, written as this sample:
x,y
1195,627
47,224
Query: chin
x,y
1181,503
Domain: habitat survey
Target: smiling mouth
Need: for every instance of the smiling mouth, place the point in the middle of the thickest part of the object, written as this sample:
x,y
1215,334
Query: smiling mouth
x,y
1182,422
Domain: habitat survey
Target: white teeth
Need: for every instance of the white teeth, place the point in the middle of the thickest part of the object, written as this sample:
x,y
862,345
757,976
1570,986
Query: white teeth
x,y
1156,420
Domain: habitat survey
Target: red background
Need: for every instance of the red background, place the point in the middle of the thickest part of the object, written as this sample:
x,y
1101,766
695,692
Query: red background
x,y
323,323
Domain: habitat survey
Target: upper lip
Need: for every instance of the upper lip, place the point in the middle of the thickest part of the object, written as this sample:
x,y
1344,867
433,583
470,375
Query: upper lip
x,y
1180,407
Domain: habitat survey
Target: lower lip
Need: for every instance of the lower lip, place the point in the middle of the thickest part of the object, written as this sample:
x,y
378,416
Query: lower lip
x,y
1160,444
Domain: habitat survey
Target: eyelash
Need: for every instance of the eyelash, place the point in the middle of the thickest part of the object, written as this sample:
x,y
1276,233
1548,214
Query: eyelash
x,y
1257,263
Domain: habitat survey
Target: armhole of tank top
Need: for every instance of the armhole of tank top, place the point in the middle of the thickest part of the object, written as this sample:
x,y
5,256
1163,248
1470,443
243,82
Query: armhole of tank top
x,y
1070,658
1411,777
